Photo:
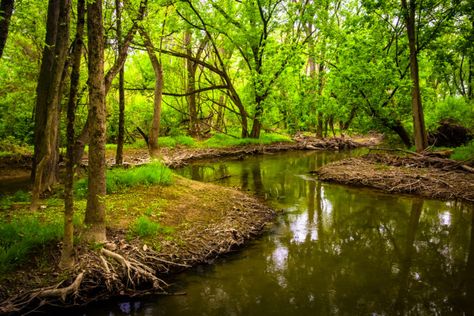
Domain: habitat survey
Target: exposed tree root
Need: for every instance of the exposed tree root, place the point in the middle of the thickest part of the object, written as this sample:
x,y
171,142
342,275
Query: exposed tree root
x,y
132,268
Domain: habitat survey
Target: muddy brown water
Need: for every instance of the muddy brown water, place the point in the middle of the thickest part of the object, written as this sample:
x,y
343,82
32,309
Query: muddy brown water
x,y
335,250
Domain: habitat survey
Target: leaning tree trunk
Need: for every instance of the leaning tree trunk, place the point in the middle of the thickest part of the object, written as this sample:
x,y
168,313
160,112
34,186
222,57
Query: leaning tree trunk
x,y
155,124
421,141
45,164
95,210
67,257
6,11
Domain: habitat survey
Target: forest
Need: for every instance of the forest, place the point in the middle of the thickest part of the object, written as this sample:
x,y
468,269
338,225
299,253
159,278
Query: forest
x,y
87,86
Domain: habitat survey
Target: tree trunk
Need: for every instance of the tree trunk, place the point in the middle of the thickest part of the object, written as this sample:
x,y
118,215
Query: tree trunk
x,y
157,68
67,258
121,122
6,11
421,141
95,210
191,86
45,161
109,77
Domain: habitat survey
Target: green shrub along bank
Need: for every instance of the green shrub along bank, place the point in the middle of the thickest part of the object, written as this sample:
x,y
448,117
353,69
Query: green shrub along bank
x,y
118,179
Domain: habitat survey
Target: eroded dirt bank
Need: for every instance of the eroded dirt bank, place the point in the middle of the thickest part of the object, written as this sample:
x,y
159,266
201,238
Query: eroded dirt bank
x,y
199,222
425,176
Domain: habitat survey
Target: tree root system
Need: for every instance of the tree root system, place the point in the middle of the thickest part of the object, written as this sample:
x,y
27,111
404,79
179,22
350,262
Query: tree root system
x,y
132,268
418,174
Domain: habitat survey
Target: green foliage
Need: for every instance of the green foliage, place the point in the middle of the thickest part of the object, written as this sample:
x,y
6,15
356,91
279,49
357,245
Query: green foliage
x,y
10,146
222,140
18,197
173,141
457,109
118,179
464,153
22,235
145,227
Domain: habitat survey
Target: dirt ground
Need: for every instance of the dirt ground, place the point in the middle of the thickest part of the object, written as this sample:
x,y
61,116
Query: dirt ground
x,y
425,176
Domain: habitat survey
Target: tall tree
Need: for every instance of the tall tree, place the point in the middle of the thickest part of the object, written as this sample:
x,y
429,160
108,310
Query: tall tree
x,y
6,11
67,258
121,123
45,162
409,14
158,95
95,210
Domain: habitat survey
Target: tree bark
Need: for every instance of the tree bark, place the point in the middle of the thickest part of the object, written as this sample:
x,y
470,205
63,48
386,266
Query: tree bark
x,y
121,122
158,70
421,141
6,11
95,210
109,77
46,155
191,86
67,258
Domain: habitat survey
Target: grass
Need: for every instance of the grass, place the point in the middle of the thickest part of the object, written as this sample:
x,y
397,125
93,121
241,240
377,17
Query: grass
x,y
21,235
118,179
143,227
18,197
464,153
222,140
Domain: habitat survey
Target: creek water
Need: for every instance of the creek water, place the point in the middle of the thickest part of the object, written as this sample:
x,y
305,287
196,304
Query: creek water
x,y
334,250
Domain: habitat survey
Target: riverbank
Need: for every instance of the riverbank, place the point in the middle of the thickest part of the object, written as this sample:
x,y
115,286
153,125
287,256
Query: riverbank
x,y
178,226
425,176
152,231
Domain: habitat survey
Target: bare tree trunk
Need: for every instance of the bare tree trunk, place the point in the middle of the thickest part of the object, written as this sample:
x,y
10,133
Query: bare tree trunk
x,y
95,210
421,141
67,257
157,68
6,11
45,164
109,77
191,86
121,122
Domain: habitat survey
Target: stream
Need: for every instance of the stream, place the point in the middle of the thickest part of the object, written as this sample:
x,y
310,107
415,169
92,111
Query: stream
x,y
334,250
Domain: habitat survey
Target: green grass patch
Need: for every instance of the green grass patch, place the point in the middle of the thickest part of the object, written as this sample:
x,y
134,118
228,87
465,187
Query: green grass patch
x,y
21,235
18,197
118,179
222,140
143,226
173,141
464,153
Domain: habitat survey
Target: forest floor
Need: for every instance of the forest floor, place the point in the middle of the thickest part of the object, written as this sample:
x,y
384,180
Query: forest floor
x,y
417,174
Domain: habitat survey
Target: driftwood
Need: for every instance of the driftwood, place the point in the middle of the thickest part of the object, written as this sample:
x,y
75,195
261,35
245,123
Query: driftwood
x,y
425,176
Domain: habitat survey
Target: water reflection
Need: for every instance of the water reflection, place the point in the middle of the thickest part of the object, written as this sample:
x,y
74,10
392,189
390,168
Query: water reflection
x,y
336,251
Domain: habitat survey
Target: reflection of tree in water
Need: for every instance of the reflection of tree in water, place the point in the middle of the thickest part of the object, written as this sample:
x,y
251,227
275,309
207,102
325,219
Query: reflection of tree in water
x,y
345,251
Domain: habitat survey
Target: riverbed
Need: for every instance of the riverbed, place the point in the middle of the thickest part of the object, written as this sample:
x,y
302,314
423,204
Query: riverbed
x,y
333,250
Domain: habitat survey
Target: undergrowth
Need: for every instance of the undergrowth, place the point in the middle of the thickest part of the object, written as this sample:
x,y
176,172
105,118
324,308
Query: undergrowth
x,y
21,235
118,179
464,153
222,140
